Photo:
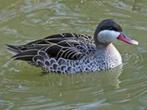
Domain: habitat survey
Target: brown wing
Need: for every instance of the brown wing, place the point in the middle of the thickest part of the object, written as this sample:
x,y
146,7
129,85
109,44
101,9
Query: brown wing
x,y
55,51
60,45
61,37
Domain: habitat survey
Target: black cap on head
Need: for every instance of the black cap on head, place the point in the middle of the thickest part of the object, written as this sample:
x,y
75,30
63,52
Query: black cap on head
x,y
107,24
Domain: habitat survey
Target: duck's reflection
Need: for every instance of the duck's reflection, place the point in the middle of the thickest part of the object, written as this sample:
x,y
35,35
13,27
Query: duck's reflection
x,y
103,78
111,78
83,86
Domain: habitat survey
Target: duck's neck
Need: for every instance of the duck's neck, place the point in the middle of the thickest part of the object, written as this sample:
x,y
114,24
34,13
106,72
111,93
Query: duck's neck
x,y
110,49
101,46
110,53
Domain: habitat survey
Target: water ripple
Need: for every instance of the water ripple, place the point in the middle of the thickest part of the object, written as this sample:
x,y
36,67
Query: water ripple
x,y
6,105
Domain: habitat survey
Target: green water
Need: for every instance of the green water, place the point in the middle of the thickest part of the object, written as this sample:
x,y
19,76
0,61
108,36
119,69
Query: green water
x,y
22,87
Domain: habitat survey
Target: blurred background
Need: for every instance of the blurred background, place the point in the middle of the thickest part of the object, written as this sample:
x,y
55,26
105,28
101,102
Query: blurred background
x,y
23,86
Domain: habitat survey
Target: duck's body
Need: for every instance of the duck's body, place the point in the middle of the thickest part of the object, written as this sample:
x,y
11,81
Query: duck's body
x,y
72,53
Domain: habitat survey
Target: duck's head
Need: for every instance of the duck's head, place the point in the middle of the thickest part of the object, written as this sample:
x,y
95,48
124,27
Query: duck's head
x,y
108,31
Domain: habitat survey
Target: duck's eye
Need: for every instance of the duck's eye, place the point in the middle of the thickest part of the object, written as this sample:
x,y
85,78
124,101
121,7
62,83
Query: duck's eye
x,y
112,28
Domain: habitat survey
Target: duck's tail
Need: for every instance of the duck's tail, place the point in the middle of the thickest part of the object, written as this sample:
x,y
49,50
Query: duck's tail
x,y
18,54
13,49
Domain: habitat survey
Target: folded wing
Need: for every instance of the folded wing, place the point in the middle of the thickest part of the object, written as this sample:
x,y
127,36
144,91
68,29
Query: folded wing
x,y
66,45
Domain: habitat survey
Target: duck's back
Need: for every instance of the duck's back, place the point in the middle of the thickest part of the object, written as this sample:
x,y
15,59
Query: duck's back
x,y
53,53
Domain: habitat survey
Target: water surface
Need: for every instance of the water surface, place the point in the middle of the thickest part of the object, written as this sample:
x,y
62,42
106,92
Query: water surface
x,y
23,87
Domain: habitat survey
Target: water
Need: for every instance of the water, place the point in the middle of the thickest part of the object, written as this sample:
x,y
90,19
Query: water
x,y
24,87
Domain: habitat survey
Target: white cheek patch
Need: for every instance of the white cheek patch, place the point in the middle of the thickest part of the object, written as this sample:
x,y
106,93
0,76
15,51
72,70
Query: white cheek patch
x,y
107,36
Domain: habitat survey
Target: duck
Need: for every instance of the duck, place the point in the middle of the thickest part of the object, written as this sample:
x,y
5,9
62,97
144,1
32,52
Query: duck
x,y
75,53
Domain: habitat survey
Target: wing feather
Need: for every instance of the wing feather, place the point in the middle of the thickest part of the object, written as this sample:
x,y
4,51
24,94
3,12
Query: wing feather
x,y
67,45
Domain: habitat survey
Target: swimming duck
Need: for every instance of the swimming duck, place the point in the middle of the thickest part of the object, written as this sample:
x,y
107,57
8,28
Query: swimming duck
x,y
73,53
